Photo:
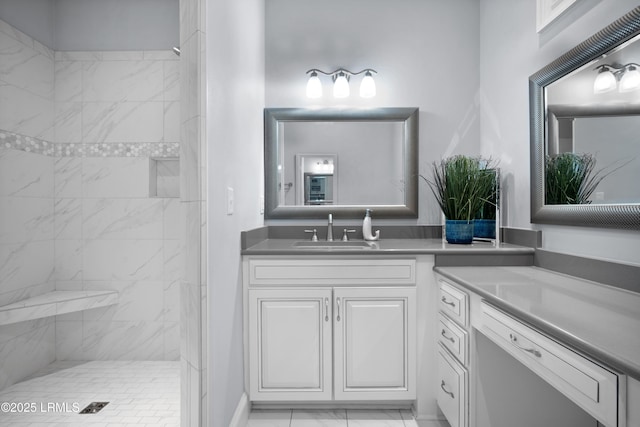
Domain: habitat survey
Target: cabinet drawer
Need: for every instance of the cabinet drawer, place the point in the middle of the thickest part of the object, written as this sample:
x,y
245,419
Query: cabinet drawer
x,y
452,389
453,302
332,272
453,337
593,387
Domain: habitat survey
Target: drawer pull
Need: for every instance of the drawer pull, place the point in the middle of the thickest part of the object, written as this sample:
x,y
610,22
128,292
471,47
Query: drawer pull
x,y
514,341
444,300
338,302
326,309
444,334
445,390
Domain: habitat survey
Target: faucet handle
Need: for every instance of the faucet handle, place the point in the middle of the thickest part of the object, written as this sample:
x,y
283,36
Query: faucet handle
x,y
345,237
314,237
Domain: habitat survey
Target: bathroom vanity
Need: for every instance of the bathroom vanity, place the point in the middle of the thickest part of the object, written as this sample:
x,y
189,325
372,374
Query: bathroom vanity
x,y
338,323
400,323
579,336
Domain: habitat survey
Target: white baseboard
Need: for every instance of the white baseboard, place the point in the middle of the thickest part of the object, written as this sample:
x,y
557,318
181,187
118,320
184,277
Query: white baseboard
x,y
241,415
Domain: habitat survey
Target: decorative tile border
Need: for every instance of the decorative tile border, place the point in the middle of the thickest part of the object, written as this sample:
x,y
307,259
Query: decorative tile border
x,y
26,143
122,149
29,144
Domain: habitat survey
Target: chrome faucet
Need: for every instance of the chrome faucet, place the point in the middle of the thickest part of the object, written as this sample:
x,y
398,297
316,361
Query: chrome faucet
x,y
330,229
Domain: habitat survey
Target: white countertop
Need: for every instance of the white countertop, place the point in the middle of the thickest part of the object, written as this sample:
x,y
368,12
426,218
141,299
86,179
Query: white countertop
x,y
600,320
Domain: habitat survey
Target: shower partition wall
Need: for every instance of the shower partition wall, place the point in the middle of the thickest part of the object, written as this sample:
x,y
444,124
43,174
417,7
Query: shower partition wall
x,y
78,131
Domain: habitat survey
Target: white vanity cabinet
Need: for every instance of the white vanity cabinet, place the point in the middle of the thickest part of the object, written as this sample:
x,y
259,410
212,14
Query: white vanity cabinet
x,y
483,348
453,344
330,329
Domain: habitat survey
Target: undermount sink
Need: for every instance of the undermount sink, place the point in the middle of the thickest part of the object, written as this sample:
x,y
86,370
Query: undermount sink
x,y
337,244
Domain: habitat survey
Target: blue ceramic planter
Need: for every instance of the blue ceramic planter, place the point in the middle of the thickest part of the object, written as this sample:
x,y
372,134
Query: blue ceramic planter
x,y
459,231
485,228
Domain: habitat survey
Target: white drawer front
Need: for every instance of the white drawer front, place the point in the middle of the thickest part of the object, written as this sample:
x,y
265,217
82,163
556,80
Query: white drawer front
x,y
453,337
452,388
453,302
593,387
332,272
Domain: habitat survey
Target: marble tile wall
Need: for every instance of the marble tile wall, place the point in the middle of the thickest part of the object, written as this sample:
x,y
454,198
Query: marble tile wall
x,y
26,199
193,154
26,85
76,211
109,233
26,259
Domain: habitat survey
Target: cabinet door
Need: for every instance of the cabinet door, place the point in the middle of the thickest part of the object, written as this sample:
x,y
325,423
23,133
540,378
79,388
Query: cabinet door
x,y
290,344
374,343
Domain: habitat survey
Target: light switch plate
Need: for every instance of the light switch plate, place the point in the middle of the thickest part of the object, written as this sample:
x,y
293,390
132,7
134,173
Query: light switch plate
x,y
230,201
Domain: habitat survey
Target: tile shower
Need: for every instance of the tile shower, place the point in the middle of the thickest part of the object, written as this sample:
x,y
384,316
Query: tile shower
x,y
88,201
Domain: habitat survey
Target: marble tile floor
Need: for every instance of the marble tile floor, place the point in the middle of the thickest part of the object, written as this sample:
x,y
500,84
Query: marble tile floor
x,y
337,418
140,394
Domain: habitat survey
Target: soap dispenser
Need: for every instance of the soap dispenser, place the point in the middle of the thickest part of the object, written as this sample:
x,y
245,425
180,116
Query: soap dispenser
x,y
366,227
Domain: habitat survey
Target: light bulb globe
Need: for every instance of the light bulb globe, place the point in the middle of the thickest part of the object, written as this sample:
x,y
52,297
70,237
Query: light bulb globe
x,y
314,86
630,80
605,82
341,87
368,86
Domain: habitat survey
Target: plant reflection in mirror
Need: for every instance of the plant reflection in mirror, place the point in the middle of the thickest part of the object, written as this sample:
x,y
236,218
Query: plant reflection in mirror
x,y
571,178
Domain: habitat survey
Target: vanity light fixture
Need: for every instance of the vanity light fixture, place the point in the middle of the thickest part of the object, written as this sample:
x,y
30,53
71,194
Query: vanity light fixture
x,y
341,78
608,76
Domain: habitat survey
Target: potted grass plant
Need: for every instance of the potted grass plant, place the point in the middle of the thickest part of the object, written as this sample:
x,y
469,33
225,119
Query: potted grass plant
x,y
571,178
459,189
484,224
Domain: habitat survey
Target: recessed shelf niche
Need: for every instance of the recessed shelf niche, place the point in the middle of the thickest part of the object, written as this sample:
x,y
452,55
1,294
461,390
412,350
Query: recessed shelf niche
x,y
164,177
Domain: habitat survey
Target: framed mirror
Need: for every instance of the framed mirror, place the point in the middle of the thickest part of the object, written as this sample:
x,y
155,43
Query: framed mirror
x,y
572,115
341,161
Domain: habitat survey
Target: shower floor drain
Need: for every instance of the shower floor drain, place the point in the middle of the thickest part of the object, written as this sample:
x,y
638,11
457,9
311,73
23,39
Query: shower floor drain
x,y
94,407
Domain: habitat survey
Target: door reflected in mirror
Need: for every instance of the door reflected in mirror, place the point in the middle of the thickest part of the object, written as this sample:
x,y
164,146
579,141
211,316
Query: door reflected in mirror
x,y
316,180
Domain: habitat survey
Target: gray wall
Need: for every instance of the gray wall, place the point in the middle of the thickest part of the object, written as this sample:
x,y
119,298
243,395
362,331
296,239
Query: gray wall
x,y
96,24
614,142
510,51
32,17
234,135
426,54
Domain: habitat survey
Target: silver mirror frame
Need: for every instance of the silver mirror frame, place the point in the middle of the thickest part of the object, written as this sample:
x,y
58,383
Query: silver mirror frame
x,y
626,216
273,116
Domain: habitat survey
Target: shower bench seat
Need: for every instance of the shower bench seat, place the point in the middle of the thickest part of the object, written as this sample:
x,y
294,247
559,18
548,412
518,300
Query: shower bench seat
x,y
54,303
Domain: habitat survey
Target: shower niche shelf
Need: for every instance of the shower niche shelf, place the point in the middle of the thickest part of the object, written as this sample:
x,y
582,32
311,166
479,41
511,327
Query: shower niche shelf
x,y
164,177
54,303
